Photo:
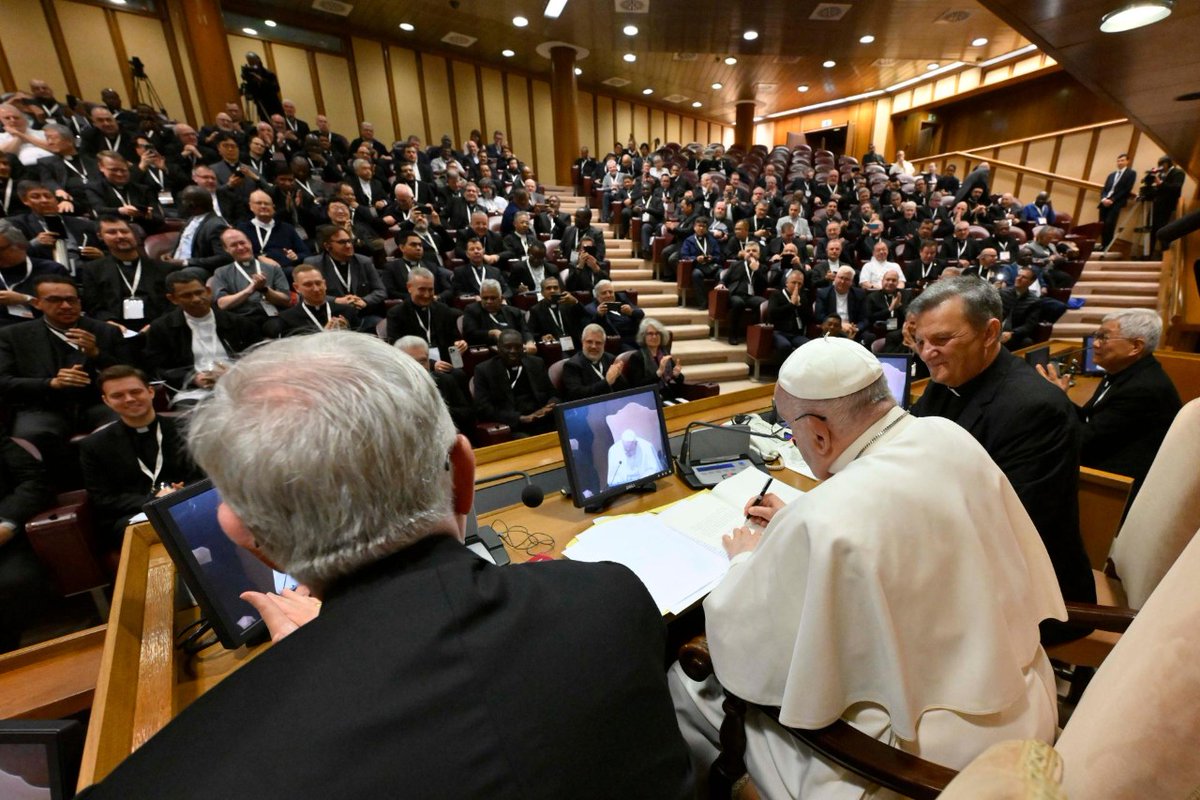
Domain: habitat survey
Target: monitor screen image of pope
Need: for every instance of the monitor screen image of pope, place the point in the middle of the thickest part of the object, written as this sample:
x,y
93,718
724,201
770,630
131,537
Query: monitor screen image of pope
x,y
612,443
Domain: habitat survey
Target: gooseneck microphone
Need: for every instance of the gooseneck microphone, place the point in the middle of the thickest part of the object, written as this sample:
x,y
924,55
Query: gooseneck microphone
x,y
532,495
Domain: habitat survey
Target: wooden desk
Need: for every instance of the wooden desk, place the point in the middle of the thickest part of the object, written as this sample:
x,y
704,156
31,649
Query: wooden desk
x,y
51,679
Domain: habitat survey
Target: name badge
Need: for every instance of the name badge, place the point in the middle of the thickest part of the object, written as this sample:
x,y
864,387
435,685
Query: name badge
x,y
456,359
567,345
271,310
22,311
1005,255
133,308
893,324
1041,220
646,217
435,355
166,199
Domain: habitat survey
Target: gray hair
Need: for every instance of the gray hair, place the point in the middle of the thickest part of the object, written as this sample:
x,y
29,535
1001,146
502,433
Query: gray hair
x,y
419,272
61,130
410,342
13,234
326,493
842,412
593,328
360,162
981,300
1138,323
489,283
647,324
600,285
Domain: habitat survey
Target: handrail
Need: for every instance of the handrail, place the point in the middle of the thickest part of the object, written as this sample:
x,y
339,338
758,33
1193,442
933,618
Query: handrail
x,y
1038,137
1173,288
1053,176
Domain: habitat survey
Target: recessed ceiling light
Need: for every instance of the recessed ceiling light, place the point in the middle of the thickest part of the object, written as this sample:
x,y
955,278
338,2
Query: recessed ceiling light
x,y
118,2
980,42
829,64
647,91
866,39
250,31
578,71
750,36
931,65
697,104
630,30
270,23
406,26
718,86
630,57
730,60
508,53
555,8
1136,15
802,87
520,22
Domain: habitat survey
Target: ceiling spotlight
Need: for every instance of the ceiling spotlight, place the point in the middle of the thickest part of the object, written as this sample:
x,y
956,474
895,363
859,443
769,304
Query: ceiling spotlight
x,y
730,60
578,71
630,30
750,36
250,31
697,104
647,91
407,26
931,65
630,57
718,86
980,42
270,23
118,2
866,39
555,8
802,87
1136,15
508,53
520,22
829,64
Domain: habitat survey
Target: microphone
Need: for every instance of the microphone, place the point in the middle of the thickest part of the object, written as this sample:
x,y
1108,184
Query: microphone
x,y
532,495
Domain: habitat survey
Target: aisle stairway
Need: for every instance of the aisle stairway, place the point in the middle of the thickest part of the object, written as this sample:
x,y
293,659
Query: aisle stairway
x,y
703,359
1109,286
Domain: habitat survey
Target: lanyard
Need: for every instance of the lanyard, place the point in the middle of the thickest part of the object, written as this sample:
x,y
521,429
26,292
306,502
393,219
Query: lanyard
x,y
425,326
926,269
28,272
557,317
158,459
137,278
962,248
157,177
479,278
499,322
513,384
703,245
111,144
63,336
8,190
246,275
596,368
263,233
428,239
305,187
120,196
313,317
346,280
81,173
366,188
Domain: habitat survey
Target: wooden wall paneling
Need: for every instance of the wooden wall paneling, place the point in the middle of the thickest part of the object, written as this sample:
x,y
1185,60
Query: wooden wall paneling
x,y
29,52
623,116
6,76
438,102
92,54
408,106
494,116
606,125
587,121
674,129
372,81
640,123
420,81
315,75
355,90
531,156
1022,159
335,76
183,75
1134,140
1110,142
456,137
268,53
1039,154
144,37
466,102
658,128
520,137
296,79
543,130
122,57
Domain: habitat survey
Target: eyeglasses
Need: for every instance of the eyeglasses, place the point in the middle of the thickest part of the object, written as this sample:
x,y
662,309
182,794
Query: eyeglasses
x,y
1101,336
815,416
56,300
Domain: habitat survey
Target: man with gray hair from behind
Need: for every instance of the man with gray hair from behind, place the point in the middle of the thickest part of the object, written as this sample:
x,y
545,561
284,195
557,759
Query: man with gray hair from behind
x,y
1127,417
337,462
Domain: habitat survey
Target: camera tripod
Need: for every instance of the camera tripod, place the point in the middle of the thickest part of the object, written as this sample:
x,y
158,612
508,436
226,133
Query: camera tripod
x,y
143,87
1141,205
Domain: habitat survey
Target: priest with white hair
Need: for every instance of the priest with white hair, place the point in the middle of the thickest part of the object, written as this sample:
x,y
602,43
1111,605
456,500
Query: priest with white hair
x,y
902,594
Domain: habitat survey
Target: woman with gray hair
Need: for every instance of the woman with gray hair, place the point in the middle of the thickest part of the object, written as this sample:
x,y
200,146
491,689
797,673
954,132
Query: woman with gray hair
x,y
652,363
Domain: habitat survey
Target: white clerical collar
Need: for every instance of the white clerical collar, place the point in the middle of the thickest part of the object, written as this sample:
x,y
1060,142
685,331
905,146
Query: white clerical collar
x,y
196,322
854,449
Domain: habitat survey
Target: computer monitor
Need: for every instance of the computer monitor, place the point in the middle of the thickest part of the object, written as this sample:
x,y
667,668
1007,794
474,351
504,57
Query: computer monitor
x,y
215,570
898,371
612,444
1090,367
40,758
1038,356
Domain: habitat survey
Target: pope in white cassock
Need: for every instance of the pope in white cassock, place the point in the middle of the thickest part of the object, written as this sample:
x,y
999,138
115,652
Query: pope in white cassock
x,y
631,457
902,594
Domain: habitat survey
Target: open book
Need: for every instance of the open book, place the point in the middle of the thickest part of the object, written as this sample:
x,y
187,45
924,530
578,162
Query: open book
x,y
677,553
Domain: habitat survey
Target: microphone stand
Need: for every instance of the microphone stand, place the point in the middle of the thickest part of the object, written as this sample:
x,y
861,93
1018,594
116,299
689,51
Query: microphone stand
x,y
683,463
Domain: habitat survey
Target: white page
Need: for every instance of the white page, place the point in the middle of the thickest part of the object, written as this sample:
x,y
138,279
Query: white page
x,y
747,484
705,518
673,568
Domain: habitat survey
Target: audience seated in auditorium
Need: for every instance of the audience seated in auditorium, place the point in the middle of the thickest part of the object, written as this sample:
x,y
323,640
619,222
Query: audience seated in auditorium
x,y
469,278
870,277
1021,309
652,364
425,316
24,585
886,307
746,280
277,239
558,316
351,278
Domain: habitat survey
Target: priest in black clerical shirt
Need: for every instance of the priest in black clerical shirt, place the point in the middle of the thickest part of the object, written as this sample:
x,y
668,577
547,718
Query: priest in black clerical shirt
x,y
128,463
316,311
488,317
514,388
124,287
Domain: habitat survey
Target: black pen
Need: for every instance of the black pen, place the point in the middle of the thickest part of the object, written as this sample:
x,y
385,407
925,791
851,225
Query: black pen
x,y
758,500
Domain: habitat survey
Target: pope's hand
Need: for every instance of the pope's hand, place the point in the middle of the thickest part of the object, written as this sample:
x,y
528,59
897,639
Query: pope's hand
x,y
284,613
762,513
742,540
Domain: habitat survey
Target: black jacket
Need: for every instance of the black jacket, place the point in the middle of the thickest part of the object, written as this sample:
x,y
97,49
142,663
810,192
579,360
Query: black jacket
x,y
105,291
477,323
573,318
30,356
207,251
437,325
494,396
169,343
295,320
580,379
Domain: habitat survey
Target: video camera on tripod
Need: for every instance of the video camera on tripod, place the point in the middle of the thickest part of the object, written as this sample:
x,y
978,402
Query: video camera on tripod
x,y
143,87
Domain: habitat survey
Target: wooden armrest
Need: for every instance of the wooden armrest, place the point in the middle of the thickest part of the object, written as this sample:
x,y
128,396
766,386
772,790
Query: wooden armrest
x,y
1106,618
878,762
695,659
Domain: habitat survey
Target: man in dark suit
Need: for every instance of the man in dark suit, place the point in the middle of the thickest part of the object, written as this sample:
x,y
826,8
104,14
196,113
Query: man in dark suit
x,y
960,249
352,278
557,316
513,388
844,300
106,134
399,546
128,463
1127,417
297,126
24,584
199,248
48,369
1167,182
1022,312
469,278
1117,187
113,193
925,268
425,316
746,281
272,237
1027,426
578,233
192,347
125,286
54,236
315,312
18,273
68,171
463,207
592,372
615,313
978,178
450,385
494,253
488,317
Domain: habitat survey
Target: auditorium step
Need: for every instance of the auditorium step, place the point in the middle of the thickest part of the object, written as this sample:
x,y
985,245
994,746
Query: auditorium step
x,y
624,274
716,372
1126,266
1114,301
1088,286
681,333
682,316
708,351
1089,315
652,301
1120,276
645,287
